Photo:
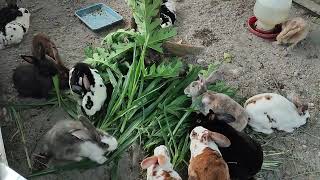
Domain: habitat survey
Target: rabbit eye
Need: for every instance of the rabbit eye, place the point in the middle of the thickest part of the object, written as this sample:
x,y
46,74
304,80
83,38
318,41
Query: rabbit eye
x,y
193,133
26,11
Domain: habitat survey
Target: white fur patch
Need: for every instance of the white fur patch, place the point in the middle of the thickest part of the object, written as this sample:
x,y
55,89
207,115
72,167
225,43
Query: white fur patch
x,y
92,151
111,141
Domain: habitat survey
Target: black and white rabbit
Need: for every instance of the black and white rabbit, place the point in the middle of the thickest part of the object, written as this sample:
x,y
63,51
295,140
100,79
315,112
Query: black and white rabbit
x,y
35,79
75,140
167,13
14,26
86,82
244,156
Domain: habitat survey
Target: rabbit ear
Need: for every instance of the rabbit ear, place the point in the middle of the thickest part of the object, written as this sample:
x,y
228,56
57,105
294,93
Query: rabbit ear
x,y
149,162
220,139
29,59
41,51
86,82
93,131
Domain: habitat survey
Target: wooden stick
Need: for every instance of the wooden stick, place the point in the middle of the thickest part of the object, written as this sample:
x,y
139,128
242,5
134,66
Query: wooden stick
x,y
309,4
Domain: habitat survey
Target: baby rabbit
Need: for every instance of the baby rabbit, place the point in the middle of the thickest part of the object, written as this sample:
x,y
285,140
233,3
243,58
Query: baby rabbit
x,y
293,31
35,79
13,31
271,110
206,162
244,156
158,166
75,140
88,84
200,86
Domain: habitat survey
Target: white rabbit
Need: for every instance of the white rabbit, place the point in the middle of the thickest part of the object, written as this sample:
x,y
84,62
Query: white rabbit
x,y
159,166
270,110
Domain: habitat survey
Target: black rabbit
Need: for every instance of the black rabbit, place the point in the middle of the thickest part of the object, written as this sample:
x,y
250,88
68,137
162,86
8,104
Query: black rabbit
x,y
35,79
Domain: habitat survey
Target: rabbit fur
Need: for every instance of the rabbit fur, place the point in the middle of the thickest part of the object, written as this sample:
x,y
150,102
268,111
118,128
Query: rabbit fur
x,y
293,31
244,156
206,162
167,13
221,103
35,79
14,30
88,84
270,110
158,166
75,140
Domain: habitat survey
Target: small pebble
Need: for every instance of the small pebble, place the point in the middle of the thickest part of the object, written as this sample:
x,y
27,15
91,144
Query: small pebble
x,y
304,146
200,61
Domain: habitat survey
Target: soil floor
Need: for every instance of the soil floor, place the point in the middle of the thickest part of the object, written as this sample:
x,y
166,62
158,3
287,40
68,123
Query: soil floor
x,y
257,66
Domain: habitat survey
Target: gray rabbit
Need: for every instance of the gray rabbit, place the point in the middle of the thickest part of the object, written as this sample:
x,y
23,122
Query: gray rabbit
x,y
75,140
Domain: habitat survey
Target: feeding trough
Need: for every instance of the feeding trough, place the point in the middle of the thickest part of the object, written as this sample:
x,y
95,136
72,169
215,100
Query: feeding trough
x,y
98,16
269,14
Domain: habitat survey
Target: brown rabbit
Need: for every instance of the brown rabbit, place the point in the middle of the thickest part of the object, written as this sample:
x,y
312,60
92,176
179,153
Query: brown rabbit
x,y
35,79
206,162
293,31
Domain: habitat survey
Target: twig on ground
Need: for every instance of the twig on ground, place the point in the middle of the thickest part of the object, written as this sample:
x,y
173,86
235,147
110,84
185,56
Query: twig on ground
x,y
14,135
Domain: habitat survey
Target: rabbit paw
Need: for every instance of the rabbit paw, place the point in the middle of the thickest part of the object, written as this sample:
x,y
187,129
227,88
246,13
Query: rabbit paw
x,y
101,160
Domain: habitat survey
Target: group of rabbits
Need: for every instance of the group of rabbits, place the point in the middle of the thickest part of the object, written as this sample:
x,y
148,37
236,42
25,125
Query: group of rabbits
x,y
219,149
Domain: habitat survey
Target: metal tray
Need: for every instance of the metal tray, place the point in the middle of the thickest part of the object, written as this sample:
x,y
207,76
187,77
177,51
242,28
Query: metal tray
x,y
98,16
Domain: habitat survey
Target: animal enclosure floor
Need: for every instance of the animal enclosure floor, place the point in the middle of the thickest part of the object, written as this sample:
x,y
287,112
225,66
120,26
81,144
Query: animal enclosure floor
x,y
257,66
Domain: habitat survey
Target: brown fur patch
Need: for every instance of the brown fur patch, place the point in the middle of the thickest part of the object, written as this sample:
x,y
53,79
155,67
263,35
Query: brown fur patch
x,y
167,175
255,99
208,166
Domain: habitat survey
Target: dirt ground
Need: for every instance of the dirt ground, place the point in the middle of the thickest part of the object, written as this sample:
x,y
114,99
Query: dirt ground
x,y
220,25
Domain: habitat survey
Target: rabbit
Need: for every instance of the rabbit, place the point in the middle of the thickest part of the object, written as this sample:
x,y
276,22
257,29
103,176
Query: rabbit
x,y
197,88
75,140
244,156
293,31
88,84
158,166
35,79
167,13
270,110
206,162
15,30
221,103
7,15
